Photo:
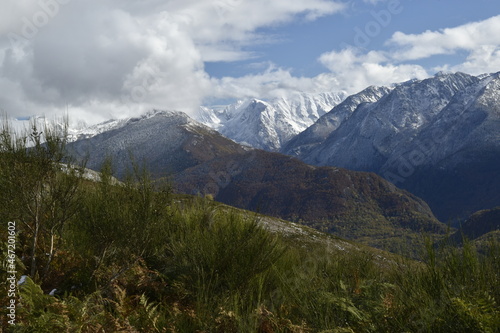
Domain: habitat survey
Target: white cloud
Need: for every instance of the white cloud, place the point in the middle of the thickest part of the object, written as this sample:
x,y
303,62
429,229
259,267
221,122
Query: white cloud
x,y
12,14
119,57
484,59
467,37
100,59
271,83
357,70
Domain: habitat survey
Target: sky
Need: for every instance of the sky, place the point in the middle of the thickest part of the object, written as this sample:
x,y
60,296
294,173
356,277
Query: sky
x,y
99,59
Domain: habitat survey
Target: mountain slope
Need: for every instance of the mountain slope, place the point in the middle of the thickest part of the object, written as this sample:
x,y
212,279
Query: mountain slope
x,y
355,205
478,225
269,124
453,163
167,142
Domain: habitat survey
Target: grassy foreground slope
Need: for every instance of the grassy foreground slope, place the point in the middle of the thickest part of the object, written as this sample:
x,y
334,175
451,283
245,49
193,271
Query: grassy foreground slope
x,y
135,258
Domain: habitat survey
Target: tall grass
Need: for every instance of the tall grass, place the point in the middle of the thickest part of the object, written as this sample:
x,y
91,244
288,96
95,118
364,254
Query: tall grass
x,y
222,262
219,271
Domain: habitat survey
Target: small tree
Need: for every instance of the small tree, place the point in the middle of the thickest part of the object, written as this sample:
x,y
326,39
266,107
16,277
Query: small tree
x,y
38,188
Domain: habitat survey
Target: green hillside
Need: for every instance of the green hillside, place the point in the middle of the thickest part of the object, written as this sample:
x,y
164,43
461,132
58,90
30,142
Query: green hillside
x,y
359,206
481,228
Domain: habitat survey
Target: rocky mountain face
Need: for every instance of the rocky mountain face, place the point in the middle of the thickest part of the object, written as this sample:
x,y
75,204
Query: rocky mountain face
x,y
304,142
269,124
375,130
454,162
438,138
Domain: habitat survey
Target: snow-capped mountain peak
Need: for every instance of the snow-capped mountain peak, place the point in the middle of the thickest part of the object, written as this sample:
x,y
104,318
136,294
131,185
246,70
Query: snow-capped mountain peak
x,y
85,132
269,124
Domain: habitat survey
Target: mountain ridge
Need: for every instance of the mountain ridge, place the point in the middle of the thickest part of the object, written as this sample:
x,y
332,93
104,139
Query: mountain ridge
x,y
167,141
270,124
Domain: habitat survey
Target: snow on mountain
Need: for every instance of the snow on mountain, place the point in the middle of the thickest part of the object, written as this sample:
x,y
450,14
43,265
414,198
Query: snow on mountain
x,y
453,162
168,141
269,124
301,144
23,126
216,116
470,121
374,131
86,132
